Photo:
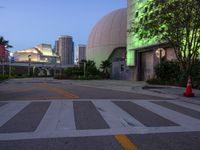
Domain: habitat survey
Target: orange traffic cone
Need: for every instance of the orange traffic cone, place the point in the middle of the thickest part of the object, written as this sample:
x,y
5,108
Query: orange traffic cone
x,y
188,90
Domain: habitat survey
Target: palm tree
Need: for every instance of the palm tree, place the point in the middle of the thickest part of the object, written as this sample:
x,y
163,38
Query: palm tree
x,y
105,66
4,42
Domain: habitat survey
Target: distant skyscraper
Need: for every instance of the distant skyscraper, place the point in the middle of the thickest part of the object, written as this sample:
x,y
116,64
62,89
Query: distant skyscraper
x,y
66,50
56,47
81,52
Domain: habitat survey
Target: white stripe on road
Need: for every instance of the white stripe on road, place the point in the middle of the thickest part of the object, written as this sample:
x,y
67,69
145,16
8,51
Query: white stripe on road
x,y
66,118
176,117
9,110
60,115
50,119
115,116
186,105
94,132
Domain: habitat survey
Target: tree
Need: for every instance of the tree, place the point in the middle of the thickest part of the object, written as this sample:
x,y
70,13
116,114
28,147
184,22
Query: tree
x,y
4,42
105,66
176,22
90,67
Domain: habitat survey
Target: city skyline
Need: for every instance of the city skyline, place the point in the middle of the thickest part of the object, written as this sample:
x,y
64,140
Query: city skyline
x,y
28,23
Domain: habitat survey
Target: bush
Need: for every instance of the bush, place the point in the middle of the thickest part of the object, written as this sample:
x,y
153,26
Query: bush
x,y
3,77
73,72
168,71
91,72
195,73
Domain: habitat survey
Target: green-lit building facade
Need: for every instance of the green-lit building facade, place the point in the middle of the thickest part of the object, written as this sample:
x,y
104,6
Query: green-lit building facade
x,y
141,54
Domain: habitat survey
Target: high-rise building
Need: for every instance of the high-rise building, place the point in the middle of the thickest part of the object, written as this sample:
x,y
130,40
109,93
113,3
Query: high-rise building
x,y
66,50
56,47
81,52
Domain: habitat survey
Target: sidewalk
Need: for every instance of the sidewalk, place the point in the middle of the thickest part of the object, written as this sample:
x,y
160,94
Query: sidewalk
x,y
140,87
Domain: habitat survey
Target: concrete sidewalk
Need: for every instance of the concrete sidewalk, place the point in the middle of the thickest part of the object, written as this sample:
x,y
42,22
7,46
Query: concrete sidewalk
x,y
140,87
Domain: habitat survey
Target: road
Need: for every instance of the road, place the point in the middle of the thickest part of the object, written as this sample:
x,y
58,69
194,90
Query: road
x,y
56,115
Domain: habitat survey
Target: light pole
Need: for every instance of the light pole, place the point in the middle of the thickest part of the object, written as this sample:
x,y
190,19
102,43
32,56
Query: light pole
x,y
9,66
84,66
29,65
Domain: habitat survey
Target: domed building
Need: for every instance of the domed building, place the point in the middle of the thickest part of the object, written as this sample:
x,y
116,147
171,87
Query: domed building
x,y
108,38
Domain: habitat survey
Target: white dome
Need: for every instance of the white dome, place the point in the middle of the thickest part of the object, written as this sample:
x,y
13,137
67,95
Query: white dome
x,y
109,33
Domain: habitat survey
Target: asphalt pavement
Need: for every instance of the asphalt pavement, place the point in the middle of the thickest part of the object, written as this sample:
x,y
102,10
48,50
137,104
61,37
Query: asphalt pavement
x,y
78,115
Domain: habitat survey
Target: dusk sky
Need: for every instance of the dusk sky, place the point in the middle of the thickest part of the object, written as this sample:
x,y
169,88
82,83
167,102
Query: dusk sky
x,y
26,23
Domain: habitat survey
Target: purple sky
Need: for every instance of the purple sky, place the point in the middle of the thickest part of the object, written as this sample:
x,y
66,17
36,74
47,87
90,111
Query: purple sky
x,y
26,23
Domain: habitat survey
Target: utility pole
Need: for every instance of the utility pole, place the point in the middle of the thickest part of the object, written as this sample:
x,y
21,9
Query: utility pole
x,y
84,66
9,66
29,65
3,67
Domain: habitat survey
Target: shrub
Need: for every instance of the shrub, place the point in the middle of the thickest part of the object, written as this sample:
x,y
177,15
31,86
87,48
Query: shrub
x,y
195,73
3,77
168,72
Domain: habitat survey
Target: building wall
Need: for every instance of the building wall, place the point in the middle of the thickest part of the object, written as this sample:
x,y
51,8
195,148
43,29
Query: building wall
x,y
141,57
56,47
81,52
66,50
130,57
109,33
147,60
41,53
170,54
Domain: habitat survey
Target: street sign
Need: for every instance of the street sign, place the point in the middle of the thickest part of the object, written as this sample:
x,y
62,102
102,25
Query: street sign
x,y
12,60
160,53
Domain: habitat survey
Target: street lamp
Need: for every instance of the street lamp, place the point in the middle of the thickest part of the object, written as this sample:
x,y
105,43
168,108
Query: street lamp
x,y
29,64
84,67
9,59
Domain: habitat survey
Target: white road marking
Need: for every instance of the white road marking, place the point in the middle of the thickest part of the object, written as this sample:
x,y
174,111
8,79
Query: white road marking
x,y
50,119
99,132
59,121
66,117
9,110
187,105
176,117
115,116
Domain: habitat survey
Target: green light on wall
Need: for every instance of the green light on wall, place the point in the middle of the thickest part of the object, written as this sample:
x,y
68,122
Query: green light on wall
x,y
133,40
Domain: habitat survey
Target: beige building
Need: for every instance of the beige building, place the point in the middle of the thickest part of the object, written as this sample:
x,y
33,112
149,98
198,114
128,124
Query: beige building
x,y
41,53
108,35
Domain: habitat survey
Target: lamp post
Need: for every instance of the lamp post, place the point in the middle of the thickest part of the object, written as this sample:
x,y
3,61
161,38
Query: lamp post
x,y
29,65
55,65
9,66
84,67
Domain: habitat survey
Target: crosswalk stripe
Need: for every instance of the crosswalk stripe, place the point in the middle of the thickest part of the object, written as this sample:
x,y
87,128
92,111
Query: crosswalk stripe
x,y
115,116
59,116
172,115
59,119
50,119
10,110
186,105
66,118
